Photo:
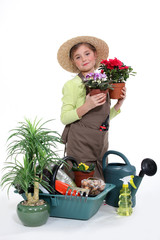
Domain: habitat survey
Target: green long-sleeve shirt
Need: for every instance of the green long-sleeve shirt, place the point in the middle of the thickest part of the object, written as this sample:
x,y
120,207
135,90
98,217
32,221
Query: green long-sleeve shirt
x,y
74,94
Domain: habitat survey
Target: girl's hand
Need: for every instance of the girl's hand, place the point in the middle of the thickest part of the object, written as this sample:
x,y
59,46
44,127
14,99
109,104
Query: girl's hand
x,y
123,96
90,103
95,100
121,100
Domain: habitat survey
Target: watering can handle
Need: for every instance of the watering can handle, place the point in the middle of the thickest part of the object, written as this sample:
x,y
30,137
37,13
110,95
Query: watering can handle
x,y
104,164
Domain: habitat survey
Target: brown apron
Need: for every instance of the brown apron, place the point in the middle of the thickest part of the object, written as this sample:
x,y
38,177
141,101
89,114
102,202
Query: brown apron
x,y
83,139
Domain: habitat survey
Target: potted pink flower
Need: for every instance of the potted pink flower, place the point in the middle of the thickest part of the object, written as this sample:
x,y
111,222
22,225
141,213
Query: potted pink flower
x,y
117,74
97,83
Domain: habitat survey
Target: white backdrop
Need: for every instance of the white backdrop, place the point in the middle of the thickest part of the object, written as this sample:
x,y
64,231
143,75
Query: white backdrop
x,y
31,80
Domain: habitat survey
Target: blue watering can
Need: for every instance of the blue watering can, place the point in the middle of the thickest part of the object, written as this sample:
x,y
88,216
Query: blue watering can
x,y
114,171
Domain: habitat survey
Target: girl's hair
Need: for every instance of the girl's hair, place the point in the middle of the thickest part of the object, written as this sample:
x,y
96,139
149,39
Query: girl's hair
x,y
75,47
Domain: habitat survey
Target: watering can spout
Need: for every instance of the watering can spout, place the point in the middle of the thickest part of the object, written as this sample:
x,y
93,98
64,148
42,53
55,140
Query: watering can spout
x,y
148,167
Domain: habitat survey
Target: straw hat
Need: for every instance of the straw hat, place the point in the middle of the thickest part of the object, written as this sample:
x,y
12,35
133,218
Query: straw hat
x,y
64,51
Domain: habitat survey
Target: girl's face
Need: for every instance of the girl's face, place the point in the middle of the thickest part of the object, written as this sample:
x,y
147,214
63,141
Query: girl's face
x,y
84,59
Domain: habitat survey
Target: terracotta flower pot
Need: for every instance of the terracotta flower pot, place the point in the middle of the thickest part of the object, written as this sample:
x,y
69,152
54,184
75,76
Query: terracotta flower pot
x,y
79,176
96,91
117,91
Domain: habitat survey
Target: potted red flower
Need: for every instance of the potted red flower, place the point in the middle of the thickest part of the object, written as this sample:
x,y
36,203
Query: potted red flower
x,y
117,73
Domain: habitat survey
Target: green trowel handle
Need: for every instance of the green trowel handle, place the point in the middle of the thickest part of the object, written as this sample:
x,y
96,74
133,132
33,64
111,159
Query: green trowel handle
x,y
104,164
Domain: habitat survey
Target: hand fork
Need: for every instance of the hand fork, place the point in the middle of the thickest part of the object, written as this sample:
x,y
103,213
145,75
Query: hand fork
x,y
76,191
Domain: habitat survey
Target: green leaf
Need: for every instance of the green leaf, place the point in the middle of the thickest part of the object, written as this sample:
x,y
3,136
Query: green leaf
x,y
34,145
81,168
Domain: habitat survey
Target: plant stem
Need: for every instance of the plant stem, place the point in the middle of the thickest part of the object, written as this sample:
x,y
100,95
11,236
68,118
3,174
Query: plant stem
x,y
36,187
29,198
36,191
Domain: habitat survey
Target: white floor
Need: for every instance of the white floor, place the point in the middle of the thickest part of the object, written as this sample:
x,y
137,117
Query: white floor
x,y
143,224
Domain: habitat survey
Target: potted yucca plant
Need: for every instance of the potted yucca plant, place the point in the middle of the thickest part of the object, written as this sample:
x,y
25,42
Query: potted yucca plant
x,y
31,149
117,74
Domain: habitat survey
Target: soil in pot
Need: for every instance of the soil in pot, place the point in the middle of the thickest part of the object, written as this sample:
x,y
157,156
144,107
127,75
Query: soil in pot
x,y
33,216
79,176
117,91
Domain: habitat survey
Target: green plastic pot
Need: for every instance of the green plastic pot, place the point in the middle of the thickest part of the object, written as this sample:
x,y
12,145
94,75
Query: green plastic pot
x,y
33,216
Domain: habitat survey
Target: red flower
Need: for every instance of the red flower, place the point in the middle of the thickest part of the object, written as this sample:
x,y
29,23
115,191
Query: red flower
x,y
112,63
115,70
104,62
124,67
115,62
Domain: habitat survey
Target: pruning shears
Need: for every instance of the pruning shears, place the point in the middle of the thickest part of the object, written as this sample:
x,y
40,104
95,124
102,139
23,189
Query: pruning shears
x,y
105,125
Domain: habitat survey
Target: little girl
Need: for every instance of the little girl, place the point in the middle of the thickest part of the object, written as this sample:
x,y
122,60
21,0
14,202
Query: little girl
x,y
81,113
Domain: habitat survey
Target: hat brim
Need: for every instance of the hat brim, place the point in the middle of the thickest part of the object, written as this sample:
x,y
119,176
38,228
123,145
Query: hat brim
x,y
63,57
